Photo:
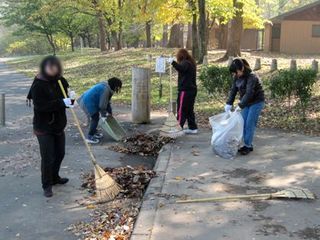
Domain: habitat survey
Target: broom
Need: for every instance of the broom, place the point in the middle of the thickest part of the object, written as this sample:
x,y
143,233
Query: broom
x,y
171,126
289,193
106,188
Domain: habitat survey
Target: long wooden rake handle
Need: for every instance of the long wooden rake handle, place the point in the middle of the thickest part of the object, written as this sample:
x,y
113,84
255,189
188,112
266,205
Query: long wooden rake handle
x,y
93,159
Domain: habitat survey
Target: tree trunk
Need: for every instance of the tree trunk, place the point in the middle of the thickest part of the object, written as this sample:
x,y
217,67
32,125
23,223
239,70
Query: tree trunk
x,y
116,37
165,35
102,33
202,30
195,40
189,37
235,28
148,34
51,42
72,42
223,36
175,40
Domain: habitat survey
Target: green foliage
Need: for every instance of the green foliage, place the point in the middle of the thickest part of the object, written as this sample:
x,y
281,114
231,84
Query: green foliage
x,y
216,80
288,83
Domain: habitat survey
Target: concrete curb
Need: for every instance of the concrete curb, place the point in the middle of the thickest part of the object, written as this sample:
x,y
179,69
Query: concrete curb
x,y
145,221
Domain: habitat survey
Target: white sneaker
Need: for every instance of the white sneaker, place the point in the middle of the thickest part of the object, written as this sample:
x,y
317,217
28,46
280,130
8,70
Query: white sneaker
x,y
98,135
190,131
92,140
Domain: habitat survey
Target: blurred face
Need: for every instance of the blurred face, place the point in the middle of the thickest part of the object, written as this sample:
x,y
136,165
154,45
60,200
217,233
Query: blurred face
x,y
51,70
238,74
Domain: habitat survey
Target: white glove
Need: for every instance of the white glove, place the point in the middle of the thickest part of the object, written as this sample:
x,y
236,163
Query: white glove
x,y
170,60
238,109
227,107
67,101
72,94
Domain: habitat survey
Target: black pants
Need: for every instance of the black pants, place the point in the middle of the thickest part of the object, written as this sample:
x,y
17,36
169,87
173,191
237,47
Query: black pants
x,y
185,111
52,150
94,121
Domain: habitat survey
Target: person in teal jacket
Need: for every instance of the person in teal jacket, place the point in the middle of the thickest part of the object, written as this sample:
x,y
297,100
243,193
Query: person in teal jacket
x,y
96,102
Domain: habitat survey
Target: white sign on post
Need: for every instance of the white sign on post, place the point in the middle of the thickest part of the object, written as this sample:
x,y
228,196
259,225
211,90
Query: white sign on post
x,y
161,65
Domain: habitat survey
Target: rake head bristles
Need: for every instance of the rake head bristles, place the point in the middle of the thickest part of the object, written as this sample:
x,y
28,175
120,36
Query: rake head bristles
x,y
289,193
171,127
106,188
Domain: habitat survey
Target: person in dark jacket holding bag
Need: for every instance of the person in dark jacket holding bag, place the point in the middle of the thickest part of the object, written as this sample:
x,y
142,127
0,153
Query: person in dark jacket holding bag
x,y
50,120
251,99
187,89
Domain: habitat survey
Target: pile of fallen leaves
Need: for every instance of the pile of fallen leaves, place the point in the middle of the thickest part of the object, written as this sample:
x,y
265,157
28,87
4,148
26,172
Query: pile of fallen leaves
x,y
142,144
133,181
114,220
111,221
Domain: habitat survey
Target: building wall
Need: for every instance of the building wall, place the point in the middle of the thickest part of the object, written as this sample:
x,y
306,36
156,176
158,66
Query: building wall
x,y
249,39
267,37
296,37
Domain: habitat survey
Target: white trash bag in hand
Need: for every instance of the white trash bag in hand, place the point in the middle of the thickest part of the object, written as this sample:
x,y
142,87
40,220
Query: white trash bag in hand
x,y
227,133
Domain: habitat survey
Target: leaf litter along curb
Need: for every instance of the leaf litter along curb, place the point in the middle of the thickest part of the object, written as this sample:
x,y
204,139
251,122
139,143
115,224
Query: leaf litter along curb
x,y
115,220
142,144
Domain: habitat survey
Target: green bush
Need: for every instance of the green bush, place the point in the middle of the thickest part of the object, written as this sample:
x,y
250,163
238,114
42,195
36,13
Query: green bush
x,y
286,84
216,80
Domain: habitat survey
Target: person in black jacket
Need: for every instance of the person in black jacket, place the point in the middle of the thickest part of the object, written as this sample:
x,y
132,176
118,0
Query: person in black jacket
x,y
251,99
50,120
187,89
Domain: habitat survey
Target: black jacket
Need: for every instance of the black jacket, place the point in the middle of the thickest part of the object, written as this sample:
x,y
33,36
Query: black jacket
x,y
187,75
249,88
49,108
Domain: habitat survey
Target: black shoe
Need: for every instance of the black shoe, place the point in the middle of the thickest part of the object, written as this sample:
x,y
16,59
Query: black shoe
x,y
61,181
47,192
245,148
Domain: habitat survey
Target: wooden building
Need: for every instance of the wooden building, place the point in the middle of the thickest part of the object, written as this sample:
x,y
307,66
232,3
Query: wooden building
x,y
294,32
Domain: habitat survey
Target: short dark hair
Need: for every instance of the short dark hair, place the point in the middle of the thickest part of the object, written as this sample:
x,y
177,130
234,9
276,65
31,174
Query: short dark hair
x,y
53,61
240,64
115,84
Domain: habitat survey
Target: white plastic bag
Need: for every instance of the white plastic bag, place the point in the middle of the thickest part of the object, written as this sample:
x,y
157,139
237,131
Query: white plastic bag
x,y
227,133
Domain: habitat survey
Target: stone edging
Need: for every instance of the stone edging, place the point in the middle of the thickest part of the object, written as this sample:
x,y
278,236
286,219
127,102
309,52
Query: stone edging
x,y
145,221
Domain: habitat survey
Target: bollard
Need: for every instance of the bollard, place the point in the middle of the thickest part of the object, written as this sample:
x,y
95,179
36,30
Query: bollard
x,y
230,61
2,110
141,94
315,65
205,60
257,65
293,65
274,65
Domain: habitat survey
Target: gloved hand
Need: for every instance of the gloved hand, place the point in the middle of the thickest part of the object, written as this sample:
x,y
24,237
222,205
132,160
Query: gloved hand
x,y
170,60
67,102
227,107
238,109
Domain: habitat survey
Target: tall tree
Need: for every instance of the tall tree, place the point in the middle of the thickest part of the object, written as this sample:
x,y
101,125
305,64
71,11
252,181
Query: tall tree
x,y
202,30
194,27
34,16
235,29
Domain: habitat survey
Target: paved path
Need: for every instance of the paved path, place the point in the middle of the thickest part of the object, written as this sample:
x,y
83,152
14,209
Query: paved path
x,y
24,212
189,168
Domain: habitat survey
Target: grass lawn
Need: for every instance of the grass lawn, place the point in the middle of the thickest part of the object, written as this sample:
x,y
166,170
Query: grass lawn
x,y
92,66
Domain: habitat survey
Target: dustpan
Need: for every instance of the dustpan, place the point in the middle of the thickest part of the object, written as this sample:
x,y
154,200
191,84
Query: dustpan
x,y
112,127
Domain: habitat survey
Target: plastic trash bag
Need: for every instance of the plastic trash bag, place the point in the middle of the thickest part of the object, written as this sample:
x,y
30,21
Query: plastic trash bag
x,y
227,133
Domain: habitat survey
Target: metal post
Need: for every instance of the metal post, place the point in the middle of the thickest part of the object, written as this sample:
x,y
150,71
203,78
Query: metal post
x,y
2,110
